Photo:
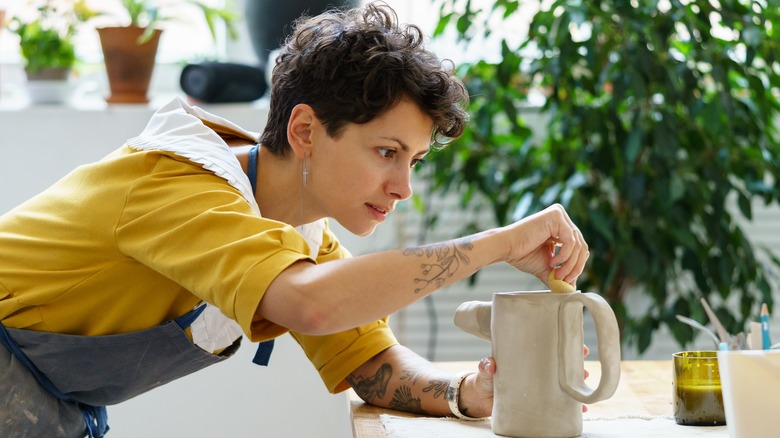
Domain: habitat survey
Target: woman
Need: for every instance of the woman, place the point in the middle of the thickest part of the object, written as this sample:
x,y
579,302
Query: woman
x,y
151,263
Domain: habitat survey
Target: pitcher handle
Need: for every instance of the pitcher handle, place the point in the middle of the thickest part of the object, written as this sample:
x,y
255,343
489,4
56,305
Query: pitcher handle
x,y
572,381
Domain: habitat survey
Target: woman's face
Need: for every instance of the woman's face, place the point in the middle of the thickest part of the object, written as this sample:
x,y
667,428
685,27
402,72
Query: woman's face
x,y
359,177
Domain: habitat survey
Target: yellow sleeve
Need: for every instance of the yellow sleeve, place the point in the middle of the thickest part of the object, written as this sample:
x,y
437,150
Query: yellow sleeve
x,y
336,356
194,228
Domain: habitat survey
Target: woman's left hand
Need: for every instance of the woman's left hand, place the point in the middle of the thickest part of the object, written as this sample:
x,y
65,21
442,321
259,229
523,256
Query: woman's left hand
x,y
477,390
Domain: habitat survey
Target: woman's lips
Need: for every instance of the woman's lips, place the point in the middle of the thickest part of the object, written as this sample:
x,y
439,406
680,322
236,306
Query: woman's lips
x,y
378,212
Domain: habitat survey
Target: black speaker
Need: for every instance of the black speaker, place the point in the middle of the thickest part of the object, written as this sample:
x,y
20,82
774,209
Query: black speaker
x,y
223,82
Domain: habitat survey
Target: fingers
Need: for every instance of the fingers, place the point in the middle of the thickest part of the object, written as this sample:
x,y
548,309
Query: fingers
x,y
585,353
487,366
572,252
484,381
533,240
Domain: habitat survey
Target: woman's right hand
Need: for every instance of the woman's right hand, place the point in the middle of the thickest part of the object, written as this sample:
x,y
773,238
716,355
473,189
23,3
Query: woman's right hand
x,y
532,241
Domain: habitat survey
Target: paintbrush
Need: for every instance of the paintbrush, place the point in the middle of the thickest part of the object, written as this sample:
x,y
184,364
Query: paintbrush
x,y
722,333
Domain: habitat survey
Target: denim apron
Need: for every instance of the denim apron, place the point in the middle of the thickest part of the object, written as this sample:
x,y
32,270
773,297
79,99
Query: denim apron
x,y
94,371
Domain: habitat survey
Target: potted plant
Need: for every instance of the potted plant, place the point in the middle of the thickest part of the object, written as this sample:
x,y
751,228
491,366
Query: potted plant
x,y
46,45
129,51
660,135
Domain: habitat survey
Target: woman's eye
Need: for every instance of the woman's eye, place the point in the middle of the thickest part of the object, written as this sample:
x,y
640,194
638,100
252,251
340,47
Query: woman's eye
x,y
417,162
389,153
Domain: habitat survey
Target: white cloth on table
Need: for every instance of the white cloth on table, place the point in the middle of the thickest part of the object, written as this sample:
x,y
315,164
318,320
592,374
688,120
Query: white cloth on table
x,y
633,426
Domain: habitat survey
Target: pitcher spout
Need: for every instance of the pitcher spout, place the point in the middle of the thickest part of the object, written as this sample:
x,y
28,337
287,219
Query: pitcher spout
x,y
474,317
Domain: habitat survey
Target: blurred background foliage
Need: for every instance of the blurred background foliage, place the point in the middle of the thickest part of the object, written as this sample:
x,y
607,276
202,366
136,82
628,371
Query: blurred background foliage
x,y
658,134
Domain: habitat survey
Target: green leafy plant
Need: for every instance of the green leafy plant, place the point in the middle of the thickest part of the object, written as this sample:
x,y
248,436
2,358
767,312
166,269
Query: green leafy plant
x,y
658,134
148,13
46,37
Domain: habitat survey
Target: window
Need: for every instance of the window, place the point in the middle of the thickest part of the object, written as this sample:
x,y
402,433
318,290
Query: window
x,y
186,36
186,39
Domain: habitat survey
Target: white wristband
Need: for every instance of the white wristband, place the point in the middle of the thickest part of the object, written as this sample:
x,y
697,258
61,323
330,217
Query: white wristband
x,y
453,395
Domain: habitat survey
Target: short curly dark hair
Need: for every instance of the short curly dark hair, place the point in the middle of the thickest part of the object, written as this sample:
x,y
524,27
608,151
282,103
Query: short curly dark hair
x,y
352,66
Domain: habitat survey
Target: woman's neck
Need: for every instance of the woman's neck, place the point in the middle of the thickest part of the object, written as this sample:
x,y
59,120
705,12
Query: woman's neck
x,y
279,185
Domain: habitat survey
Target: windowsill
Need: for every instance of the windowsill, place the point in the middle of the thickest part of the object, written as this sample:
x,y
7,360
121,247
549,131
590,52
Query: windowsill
x,y
88,91
20,102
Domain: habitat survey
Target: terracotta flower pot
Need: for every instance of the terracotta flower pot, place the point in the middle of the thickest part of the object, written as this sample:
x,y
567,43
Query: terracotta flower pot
x,y
129,65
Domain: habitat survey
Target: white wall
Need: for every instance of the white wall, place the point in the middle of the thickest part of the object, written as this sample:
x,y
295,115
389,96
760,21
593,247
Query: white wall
x,y
239,399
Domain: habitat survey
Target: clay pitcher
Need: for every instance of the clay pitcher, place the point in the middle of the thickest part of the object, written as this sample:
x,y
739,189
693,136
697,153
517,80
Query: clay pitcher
x,y
537,343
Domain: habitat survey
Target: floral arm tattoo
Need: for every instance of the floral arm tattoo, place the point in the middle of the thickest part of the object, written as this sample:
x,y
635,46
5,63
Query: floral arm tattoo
x,y
448,258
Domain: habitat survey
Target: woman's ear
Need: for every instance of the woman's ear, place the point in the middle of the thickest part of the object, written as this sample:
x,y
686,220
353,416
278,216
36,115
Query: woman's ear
x,y
300,128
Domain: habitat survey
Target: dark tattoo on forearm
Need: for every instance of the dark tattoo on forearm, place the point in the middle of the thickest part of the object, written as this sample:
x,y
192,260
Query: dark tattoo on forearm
x,y
411,375
403,401
372,387
448,258
438,387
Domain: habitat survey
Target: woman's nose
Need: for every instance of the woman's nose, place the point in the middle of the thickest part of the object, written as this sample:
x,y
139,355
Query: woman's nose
x,y
400,185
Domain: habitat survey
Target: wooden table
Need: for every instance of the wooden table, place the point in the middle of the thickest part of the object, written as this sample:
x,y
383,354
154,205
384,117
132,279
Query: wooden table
x,y
645,389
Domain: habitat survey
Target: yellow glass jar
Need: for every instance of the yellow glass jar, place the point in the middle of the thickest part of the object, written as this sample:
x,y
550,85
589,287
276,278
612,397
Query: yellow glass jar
x,y
696,394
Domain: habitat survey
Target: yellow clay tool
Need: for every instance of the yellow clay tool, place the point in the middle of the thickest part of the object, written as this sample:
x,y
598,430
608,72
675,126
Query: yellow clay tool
x,y
558,286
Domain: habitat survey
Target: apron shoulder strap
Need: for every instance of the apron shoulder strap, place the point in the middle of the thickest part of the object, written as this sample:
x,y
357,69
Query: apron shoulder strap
x,y
251,171
188,318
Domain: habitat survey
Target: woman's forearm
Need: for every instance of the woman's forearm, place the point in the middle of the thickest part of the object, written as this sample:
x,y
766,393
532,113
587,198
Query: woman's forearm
x,y
400,379
338,295
343,294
